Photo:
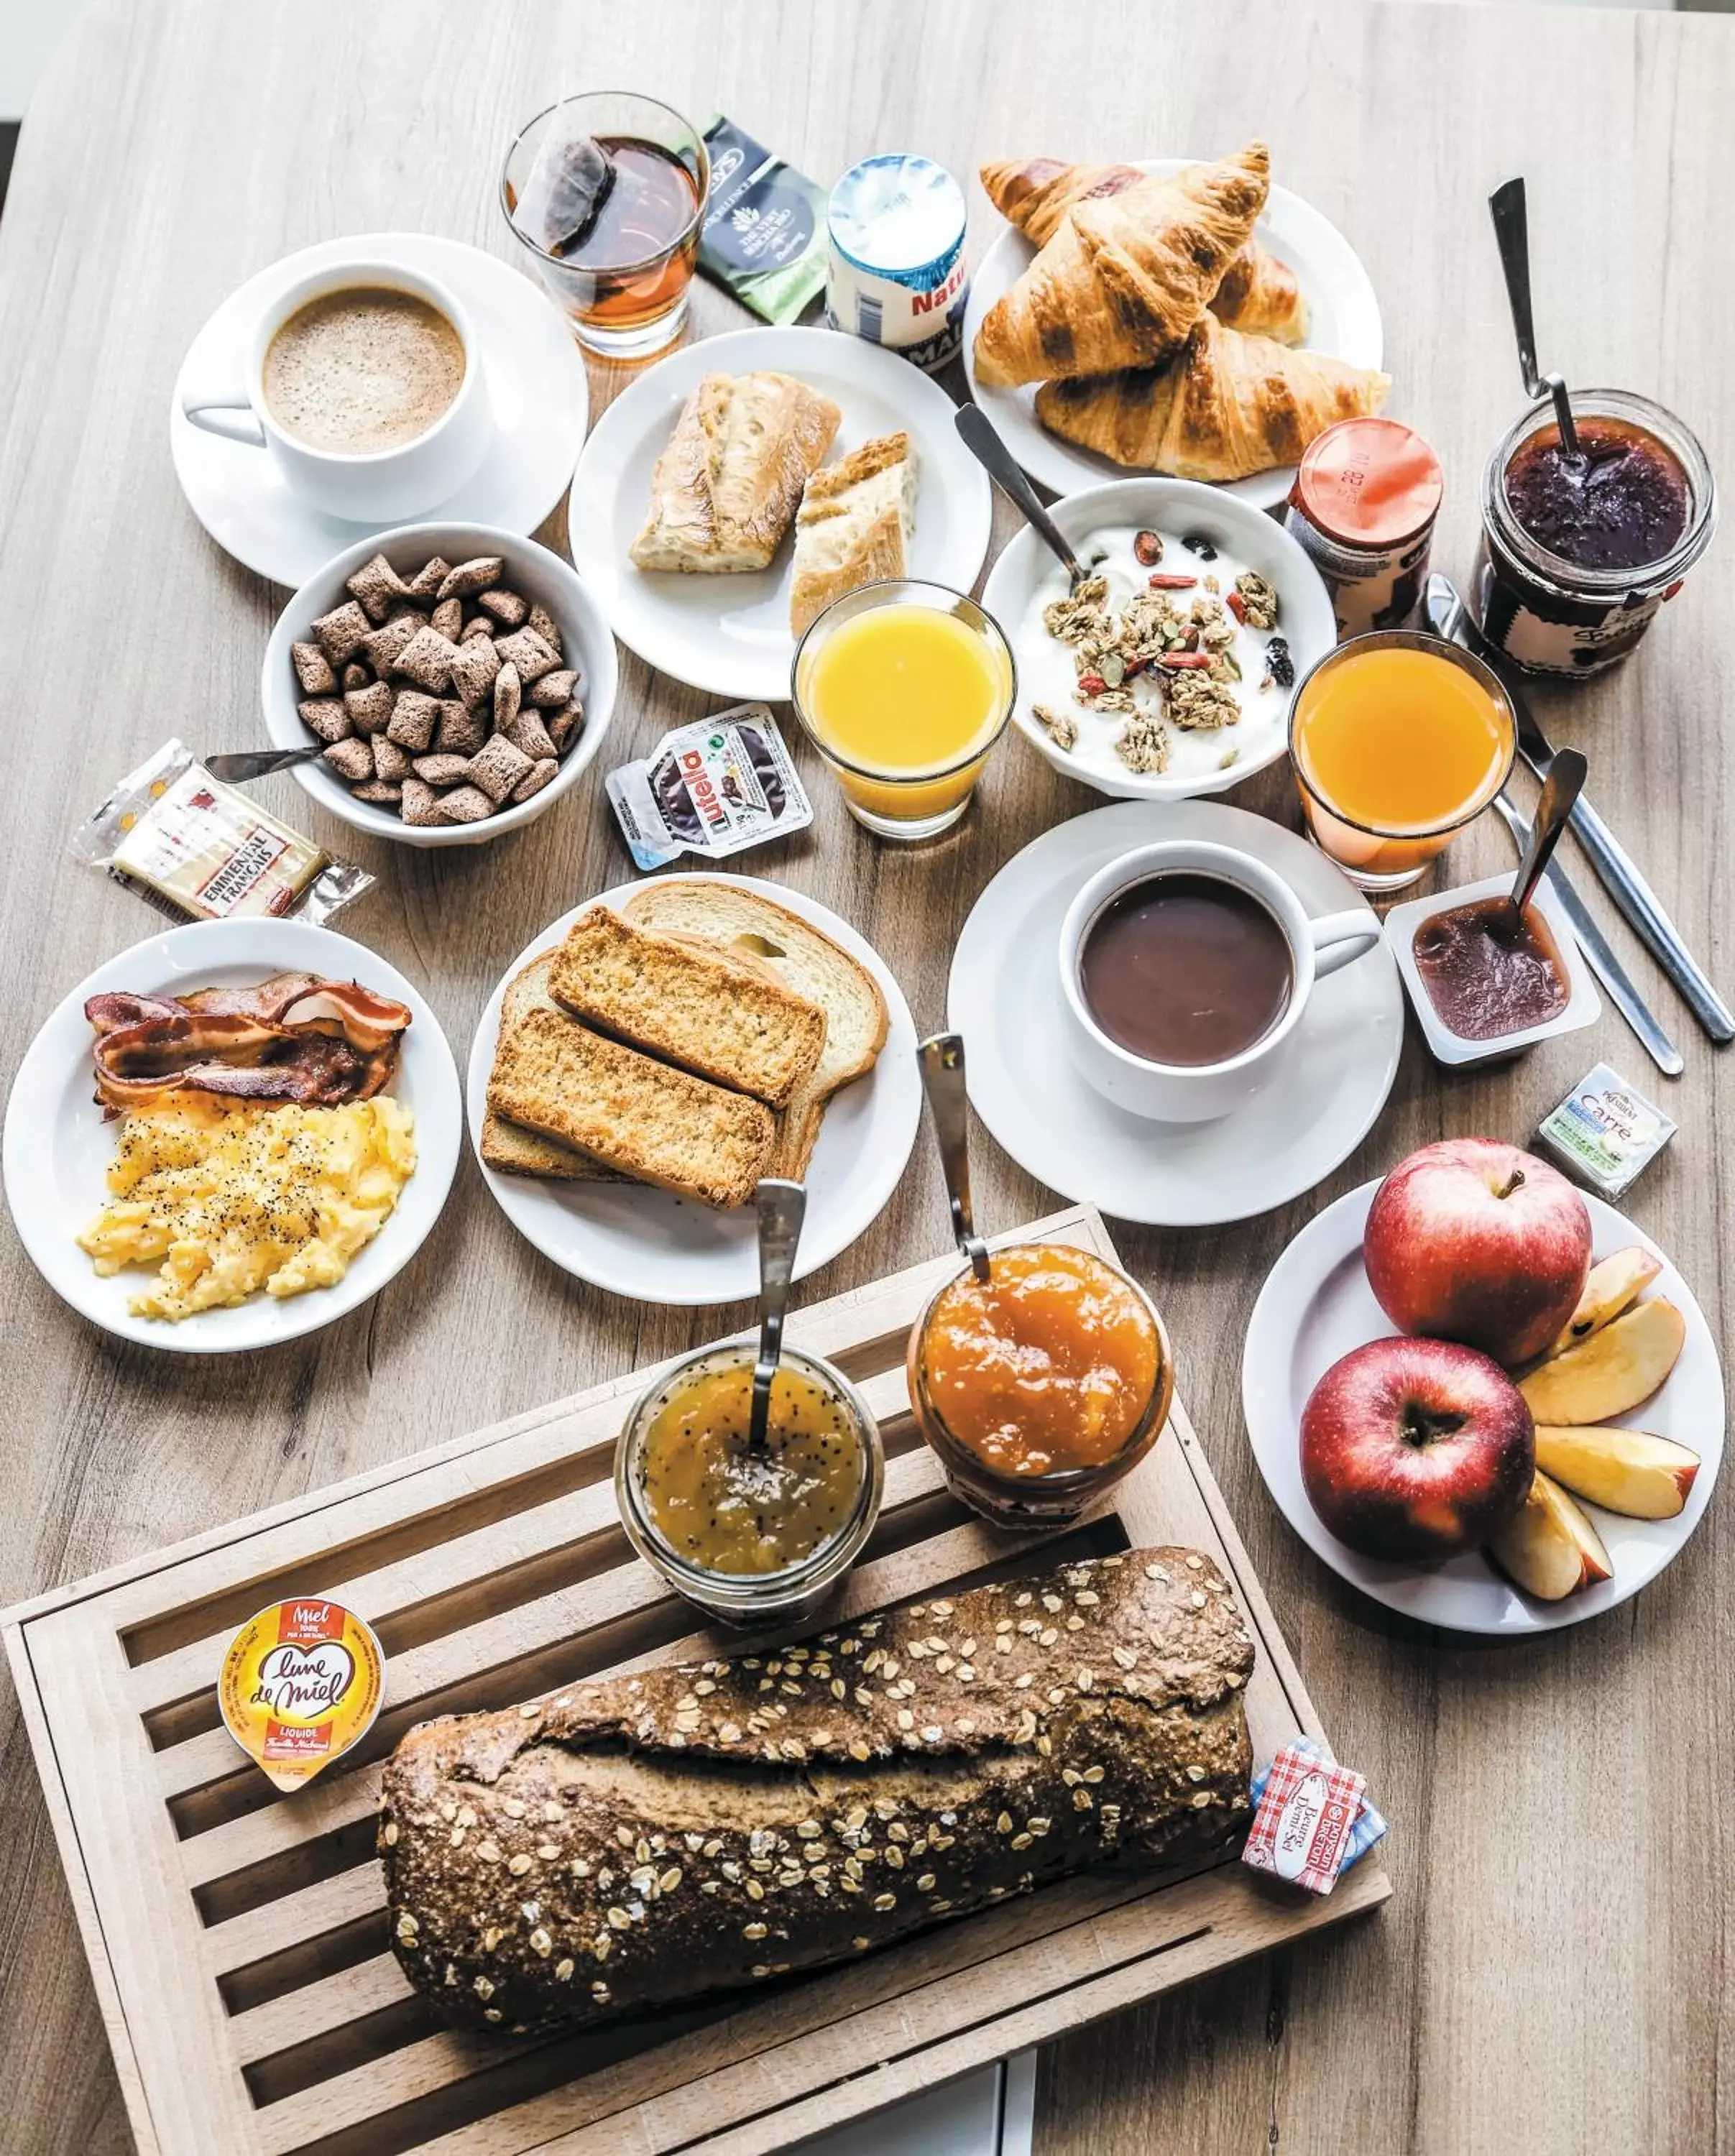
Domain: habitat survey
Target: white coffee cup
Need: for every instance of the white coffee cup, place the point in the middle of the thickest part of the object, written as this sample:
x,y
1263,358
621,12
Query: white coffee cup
x,y
1197,1093
376,486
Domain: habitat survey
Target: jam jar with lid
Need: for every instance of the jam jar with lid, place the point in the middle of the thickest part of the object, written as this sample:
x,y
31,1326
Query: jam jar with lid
x,y
1577,555
1362,507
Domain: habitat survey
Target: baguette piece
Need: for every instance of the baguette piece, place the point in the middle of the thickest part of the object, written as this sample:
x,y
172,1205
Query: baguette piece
x,y
509,1147
738,1027
854,527
631,1112
747,925
724,490
591,1854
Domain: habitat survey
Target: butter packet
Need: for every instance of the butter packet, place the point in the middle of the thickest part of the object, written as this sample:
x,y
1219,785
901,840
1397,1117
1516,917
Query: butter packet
x,y
764,233
192,847
714,787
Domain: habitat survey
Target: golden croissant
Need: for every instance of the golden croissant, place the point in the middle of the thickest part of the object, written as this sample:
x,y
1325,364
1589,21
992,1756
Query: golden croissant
x,y
1229,406
1259,294
1124,277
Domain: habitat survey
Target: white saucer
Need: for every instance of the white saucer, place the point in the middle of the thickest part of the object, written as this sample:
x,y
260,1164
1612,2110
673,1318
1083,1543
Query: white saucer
x,y
1343,322
58,1147
655,1247
1317,1305
1004,998
730,634
536,385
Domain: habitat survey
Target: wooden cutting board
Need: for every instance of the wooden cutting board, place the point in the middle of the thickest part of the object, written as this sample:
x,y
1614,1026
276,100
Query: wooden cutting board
x,y
238,1937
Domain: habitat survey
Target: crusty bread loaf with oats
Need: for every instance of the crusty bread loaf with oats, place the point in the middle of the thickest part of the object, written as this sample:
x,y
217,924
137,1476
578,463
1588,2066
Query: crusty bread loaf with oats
x,y
632,1841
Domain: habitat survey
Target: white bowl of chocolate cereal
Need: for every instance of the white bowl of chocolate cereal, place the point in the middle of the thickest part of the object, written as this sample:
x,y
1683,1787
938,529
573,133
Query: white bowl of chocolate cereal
x,y
460,678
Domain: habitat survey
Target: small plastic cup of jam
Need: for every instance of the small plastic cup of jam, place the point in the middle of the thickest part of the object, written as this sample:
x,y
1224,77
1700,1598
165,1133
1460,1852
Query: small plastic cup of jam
x,y
1040,1387
1576,557
751,1537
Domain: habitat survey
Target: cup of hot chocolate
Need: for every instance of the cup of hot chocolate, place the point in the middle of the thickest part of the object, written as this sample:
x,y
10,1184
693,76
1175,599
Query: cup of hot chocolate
x,y
363,383
1185,969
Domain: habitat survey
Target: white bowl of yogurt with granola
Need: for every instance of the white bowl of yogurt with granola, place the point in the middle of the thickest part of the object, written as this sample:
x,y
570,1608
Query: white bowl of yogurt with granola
x,y
1169,672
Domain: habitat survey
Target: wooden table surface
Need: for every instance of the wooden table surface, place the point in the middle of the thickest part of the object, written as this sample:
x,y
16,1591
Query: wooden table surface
x,y
1550,1974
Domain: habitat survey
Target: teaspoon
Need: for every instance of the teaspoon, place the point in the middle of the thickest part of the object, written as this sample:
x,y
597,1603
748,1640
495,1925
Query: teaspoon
x,y
1512,234
258,762
979,438
941,1059
1560,790
783,1207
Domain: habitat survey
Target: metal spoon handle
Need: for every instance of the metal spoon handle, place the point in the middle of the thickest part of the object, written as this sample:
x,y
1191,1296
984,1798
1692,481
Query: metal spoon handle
x,y
1511,234
1560,790
941,1059
979,438
259,763
783,1207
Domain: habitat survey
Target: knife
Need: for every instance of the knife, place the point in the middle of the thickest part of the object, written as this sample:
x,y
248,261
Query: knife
x,y
1614,866
1446,618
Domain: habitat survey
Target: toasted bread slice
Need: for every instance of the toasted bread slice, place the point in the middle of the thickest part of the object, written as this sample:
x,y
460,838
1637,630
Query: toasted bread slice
x,y
854,526
508,1146
688,1003
754,929
631,1112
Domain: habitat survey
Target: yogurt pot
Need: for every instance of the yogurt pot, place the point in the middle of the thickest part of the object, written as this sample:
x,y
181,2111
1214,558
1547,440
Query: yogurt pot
x,y
897,275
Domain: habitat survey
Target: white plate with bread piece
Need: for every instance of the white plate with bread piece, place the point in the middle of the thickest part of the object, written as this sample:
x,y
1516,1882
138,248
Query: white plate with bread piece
x,y
1317,1305
1274,269
742,483
200,1124
653,1054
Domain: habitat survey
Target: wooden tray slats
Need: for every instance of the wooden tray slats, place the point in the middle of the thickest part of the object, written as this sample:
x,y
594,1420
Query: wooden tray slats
x,y
238,1938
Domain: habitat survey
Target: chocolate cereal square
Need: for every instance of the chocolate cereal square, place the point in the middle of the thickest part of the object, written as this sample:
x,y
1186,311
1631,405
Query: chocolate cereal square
x,y
507,609
370,709
474,668
527,732
376,584
532,654
351,759
341,632
543,623
428,579
384,646
535,778
461,731
427,660
464,804
498,768
420,802
325,717
413,719
472,575
313,670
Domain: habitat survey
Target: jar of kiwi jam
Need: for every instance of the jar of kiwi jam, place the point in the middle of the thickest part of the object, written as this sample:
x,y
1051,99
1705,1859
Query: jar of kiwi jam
x,y
750,1535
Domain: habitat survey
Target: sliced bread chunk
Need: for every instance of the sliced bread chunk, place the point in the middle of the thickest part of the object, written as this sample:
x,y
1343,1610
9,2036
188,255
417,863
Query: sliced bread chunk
x,y
756,930
690,1004
509,1147
854,526
631,1112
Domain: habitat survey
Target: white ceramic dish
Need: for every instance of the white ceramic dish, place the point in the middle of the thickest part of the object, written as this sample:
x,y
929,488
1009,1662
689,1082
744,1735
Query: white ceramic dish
x,y
730,635
536,386
657,1248
1343,322
1174,506
58,1147
1317,1305
1583,1006
1005,997
531,569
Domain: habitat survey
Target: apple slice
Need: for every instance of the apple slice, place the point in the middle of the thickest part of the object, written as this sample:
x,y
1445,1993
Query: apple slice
x,y
1610,1372
1624,1471
1551,1550
1613,1283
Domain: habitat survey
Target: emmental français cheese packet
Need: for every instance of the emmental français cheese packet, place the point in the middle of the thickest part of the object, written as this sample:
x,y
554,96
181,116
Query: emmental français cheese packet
x,y
301,1682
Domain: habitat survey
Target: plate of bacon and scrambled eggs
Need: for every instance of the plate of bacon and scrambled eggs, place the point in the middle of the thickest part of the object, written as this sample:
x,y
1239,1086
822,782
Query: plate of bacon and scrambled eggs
x,y
231,1135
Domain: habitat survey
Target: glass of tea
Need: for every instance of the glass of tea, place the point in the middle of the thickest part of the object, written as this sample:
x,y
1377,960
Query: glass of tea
x,y
1398,739
605,193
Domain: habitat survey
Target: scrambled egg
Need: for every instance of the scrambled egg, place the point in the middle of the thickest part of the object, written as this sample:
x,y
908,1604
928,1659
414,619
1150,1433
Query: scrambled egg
x,y
230,1199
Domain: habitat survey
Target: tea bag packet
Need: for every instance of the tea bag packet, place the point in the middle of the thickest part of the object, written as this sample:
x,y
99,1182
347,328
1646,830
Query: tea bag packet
x,y
301,1683
568,184
764,233
714,787
195,848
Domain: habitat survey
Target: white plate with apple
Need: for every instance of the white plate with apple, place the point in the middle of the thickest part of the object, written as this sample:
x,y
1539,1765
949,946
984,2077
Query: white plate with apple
x,y
1415,1437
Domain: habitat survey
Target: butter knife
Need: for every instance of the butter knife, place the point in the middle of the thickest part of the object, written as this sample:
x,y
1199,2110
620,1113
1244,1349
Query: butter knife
x,y
1614,866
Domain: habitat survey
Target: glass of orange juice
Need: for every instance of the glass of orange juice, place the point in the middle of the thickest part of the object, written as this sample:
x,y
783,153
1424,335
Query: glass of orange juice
x,y
904,688
1397,741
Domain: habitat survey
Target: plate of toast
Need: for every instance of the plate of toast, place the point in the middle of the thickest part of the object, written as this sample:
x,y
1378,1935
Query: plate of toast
x,y
654,1053
1188,318
742,484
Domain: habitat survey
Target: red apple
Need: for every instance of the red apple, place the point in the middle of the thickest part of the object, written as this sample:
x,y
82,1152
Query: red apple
x,y
1472,1239
1416,1449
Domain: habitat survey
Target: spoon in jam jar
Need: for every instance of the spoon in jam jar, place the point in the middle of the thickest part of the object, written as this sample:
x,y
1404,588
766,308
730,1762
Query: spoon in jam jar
x,y
942,1061
1560,790
782,1207
1512,234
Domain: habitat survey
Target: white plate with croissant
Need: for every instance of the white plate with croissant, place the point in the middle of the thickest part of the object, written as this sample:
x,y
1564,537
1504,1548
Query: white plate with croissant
x,y
1187,318
743,482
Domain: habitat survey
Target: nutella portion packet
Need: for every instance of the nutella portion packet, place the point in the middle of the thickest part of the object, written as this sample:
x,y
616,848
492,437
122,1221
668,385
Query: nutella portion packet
x,y
190,845
764,238
716,788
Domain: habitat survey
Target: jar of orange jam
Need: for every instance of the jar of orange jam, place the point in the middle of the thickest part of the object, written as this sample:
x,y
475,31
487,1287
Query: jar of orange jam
x,y
1040,1386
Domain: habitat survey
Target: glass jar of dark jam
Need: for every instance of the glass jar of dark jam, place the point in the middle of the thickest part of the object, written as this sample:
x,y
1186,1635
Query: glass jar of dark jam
x,y
1576,559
